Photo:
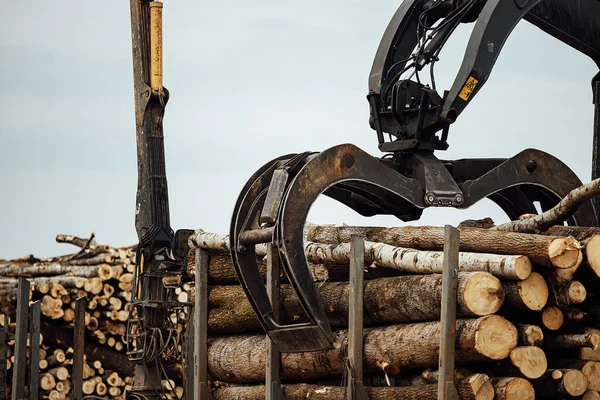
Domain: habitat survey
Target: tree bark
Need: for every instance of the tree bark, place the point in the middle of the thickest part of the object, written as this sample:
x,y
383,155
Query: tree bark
x,y
580,233
530,335
567,294
540,249
418,261
591,370
557,214
389,349
513,389
477,387
529,294
221,271
574,341
386,300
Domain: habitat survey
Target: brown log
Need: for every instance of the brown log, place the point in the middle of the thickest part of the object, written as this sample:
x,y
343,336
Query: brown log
x,y
93,285
570,382
57,290
591,370
89,386
574,341
592,252
530,361
68,314
57,358
572,292
389,348
43,364
529,294
59,373
573,314
590,395
552,318
74,240
54,395
565,209
414,261
101,389
580,233
477,387
221,271
513,389
530,335
47,382
51,307
540,249
111,359
386,300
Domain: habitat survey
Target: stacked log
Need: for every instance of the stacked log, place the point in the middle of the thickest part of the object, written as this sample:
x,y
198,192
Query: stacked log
x,y
103,275
526,326
527,309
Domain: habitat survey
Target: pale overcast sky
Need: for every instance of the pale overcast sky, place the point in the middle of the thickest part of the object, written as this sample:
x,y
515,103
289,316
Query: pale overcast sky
x,y
249,81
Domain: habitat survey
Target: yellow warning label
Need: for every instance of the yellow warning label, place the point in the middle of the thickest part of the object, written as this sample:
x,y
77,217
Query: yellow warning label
x,y
466,91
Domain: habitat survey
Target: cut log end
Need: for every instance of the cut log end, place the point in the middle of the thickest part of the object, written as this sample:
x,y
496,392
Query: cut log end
x,y
529,360
592,251
513,389
483,294
565,252
495,337
552,318
590,395
523,267
529,294
574,383
480,385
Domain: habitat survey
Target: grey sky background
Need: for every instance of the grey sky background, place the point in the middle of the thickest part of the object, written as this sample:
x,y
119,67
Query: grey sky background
x,y
249,81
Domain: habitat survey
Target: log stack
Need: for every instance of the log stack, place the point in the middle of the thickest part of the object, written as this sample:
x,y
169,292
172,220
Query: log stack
x,y
103,275
527,306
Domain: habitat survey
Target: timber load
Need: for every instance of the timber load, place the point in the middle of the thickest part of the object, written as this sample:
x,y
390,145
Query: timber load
x,y
528,315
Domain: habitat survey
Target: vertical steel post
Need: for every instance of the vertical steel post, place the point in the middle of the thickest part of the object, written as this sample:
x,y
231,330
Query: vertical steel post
x,y
188,377
19,368
34,358
446,388
79,344
272,384
354,363
596,144
201,391
3,353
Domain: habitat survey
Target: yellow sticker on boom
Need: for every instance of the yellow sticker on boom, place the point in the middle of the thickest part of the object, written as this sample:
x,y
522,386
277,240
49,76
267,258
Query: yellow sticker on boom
x,y
466,91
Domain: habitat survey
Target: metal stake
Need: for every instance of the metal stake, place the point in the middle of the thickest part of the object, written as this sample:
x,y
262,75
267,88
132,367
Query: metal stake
x,y
18,381
79,344
272,385
3,352
188,378
354,362
446,388
34,358
596,144
201,391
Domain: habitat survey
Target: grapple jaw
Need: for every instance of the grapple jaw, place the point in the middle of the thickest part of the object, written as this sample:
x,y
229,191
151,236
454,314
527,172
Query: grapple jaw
x,y
274,204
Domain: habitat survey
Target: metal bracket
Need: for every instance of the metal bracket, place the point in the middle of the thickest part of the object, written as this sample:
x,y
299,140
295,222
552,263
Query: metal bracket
x,y
201,391
34,357
355,389
18,381
79,344
272,384
440,188
446,388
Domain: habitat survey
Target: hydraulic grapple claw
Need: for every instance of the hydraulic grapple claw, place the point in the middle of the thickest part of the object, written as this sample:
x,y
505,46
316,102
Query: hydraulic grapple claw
x,y
275,202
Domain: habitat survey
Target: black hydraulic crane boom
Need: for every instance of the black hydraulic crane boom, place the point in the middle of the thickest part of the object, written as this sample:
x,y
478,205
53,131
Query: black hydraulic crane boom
x,y
152,338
